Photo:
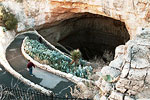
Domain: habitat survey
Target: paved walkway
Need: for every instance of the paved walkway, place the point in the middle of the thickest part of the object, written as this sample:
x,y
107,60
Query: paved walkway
x,y
10,81
58,85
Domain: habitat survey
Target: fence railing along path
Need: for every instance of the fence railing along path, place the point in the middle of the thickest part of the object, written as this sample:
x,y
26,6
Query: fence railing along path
x,y
8,93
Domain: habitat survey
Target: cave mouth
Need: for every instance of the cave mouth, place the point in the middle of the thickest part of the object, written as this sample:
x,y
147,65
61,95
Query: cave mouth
x,y
93,34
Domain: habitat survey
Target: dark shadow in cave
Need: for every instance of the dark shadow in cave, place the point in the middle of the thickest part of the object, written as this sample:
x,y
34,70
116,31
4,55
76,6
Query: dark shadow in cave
x,y
92,34
95,36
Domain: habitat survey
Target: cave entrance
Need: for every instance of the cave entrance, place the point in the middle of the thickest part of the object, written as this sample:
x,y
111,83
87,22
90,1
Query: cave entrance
x,y
93,34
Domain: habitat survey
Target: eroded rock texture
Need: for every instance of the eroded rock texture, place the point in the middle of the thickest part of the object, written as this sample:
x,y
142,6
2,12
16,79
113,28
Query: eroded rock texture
x,y
131,67
42,13
130,70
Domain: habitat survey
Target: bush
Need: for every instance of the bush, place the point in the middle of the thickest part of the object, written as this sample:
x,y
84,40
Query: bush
x,y
75,55
9,20
19,1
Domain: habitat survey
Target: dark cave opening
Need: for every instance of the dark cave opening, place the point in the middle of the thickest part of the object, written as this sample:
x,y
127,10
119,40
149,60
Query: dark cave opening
x,y
92,34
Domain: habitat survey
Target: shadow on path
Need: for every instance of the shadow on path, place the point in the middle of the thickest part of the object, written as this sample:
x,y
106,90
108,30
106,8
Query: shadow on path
x,y
8,80
58,85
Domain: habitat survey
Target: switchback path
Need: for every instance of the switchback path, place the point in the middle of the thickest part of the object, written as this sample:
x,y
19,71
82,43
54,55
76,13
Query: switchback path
x,y
58,85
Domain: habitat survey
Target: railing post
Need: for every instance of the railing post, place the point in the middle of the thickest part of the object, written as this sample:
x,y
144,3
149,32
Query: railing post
x,y
52,96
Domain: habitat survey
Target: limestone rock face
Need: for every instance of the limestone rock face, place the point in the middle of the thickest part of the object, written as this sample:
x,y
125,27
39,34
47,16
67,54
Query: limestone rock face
x,y
135,69
131,66
41,13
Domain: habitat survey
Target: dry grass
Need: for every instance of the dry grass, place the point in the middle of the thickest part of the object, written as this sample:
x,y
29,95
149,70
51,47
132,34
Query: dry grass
x,y
99,62
90,90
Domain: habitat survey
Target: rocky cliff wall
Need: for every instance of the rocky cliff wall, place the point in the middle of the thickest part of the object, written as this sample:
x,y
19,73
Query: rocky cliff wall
x,y
129,71
87,25
41,13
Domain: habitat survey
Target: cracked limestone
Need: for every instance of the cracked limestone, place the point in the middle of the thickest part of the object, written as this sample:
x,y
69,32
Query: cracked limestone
x,y
135,13
116,96
103,98
134,70
112,71
134,55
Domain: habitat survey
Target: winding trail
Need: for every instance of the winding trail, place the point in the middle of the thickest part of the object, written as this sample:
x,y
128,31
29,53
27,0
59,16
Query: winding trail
x,y
58,85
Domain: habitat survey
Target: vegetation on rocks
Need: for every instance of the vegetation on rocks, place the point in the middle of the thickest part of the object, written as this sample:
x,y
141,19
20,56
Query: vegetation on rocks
x,y
56,60
9,20
19,1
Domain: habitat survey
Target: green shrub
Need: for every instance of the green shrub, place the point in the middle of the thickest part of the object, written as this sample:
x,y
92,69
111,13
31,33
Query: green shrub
x,y
76,54
9,20
19,1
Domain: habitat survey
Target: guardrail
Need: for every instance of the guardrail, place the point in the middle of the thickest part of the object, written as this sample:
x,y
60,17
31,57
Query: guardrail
x,y
8,93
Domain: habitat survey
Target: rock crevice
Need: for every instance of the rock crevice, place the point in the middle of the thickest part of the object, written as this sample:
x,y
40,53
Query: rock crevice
x,y
132,59
134,78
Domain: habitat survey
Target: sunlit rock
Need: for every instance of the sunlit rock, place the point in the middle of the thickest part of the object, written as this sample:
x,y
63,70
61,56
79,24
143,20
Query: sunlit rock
x,y
129,71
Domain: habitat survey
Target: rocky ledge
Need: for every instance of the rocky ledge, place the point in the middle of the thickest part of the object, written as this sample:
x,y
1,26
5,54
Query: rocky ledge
x,y
127,76
129,71
44,13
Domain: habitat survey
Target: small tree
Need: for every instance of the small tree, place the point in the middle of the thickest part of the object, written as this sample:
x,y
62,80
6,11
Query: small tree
x,y
75,55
